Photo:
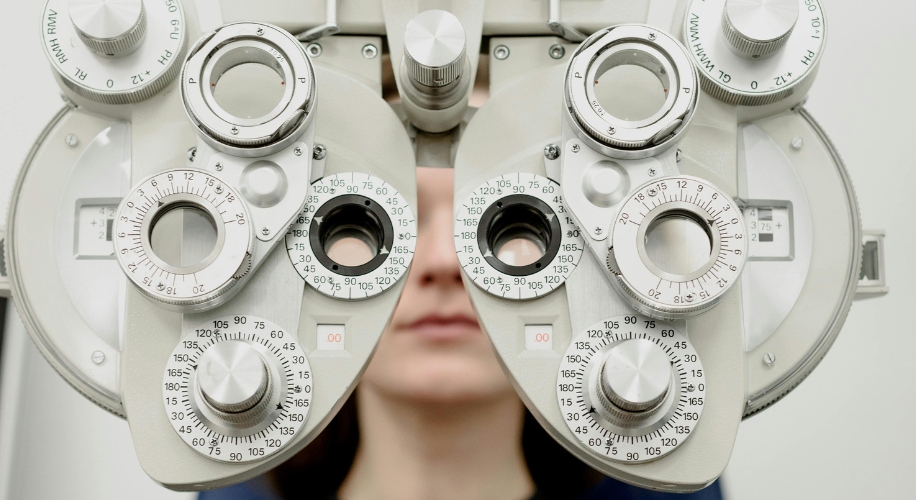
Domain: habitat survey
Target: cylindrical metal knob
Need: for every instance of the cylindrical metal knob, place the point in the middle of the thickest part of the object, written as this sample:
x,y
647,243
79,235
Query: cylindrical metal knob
x,y
110,28
635,378
434,46
233,377
758,28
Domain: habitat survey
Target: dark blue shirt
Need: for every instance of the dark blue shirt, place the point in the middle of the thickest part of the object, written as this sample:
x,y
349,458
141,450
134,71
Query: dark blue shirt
x,y
609,489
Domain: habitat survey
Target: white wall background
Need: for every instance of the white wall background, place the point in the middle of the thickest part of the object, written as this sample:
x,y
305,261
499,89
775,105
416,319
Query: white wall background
x,y
845,433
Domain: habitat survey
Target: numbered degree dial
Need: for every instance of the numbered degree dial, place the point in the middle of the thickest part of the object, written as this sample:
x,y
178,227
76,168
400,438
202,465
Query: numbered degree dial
x,y
183,238
631,389
114,52
237,389
677,246
356,237
515,239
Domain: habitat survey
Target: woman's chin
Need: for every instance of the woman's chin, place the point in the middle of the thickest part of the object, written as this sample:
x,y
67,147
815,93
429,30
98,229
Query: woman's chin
x,y
448,378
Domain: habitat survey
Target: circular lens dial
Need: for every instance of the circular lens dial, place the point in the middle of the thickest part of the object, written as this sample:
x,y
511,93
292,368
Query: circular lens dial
x,y
733,74
147,41
248,43
619,48
194,286
356,237
631,388
506,220
237,389
677,246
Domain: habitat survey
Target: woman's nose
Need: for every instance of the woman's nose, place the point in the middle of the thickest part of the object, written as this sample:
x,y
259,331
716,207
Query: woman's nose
x,y
435,260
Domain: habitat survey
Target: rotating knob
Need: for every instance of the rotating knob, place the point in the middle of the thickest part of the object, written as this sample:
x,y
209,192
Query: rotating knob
x,y
233,379
110,28
758,28
434,48
635,378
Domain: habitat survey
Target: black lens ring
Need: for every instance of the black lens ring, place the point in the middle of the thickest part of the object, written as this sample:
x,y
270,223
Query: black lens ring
x,y
375,210
533,204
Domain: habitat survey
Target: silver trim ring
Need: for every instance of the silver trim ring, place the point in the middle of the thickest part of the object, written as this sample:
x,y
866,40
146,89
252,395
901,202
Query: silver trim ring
x,y
663,295
187,288
237,44
639,45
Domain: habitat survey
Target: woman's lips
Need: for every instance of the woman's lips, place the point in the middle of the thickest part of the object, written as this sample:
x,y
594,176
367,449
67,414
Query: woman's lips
x,y
436,327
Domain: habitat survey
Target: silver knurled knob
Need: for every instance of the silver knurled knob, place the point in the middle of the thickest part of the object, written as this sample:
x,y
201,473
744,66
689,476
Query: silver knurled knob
x,y
233,379
635,378
434,45
110,28
758,28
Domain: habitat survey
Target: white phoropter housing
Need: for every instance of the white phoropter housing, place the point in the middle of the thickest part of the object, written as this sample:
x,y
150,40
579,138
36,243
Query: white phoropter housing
x,y
757,343
114,52
233,193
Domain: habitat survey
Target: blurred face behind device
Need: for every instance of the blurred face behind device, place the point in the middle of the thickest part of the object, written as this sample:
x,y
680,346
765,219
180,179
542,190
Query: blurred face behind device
x,y
434,351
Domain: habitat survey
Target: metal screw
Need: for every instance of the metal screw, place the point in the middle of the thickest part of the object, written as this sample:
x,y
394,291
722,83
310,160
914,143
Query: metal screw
x,y
260,31
297,151
72,140
575,148
501,52
218,167
98,357
677,156
370,51
691,388
691,296
598,230
265,230
557,51
652,37
652,172
313,49
219,189
769,358
652,191
214,442
319,152
235,131
552,152
611,130
797,143
160,287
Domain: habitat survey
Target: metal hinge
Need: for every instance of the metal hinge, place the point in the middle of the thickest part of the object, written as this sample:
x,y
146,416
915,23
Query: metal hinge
x,y
871,276
329,27
559,27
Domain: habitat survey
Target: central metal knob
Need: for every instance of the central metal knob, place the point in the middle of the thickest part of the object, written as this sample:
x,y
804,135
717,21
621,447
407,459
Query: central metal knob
x,y
635,377
232,377
110,28
758,28
434,46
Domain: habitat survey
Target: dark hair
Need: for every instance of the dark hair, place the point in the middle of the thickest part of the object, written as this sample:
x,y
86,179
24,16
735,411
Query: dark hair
x,y
319,469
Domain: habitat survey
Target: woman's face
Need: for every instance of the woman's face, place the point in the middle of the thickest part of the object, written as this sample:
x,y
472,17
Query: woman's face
x,y
433,350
